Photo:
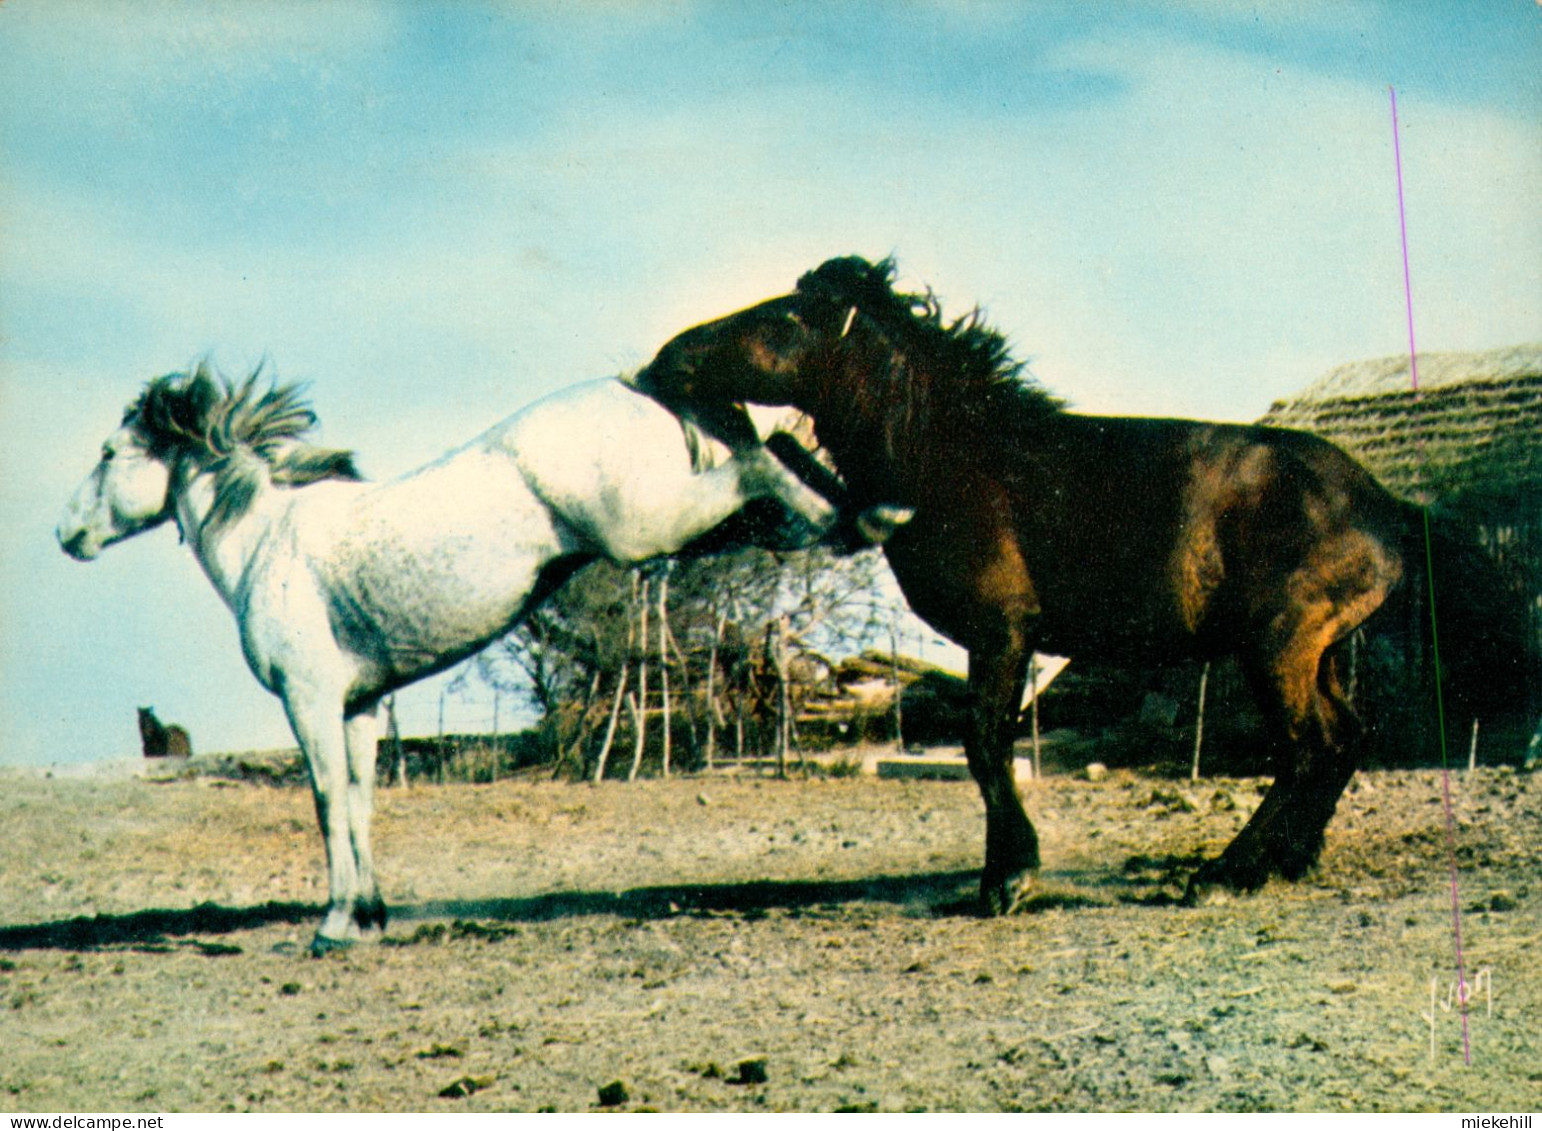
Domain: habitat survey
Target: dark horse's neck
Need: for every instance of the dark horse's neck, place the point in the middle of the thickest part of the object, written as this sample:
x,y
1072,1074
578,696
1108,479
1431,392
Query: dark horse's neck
x,y
894,423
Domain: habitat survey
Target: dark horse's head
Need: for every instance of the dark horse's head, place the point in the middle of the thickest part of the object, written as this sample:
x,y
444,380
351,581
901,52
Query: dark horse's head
x,y
877,367
773,352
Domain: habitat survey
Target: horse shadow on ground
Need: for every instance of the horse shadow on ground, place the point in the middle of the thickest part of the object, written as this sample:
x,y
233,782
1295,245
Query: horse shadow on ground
x,y
1145,880
925,894
153,929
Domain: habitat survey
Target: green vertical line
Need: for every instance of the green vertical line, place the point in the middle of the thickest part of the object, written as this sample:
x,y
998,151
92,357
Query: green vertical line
x,y
1429,573
1445,792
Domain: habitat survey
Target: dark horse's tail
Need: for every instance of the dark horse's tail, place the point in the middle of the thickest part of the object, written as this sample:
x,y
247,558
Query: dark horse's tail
x,y
1454,645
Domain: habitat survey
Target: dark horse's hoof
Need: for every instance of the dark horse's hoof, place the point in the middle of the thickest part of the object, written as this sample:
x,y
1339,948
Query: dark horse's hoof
x,y
1236,872
1006,895
1219,881
1202,894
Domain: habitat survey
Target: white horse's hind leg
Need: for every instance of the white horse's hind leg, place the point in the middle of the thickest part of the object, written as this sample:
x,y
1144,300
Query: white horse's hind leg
x,y
318,724
361,733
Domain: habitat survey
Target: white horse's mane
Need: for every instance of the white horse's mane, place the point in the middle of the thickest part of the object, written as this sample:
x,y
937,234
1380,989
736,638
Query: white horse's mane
x,y
238,432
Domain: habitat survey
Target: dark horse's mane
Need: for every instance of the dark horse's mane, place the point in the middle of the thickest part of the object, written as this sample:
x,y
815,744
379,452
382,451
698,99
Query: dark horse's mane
x,y
234,431
959,374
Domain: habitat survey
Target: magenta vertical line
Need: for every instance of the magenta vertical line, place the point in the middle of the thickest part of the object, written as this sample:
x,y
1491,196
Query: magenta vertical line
x,y
1445,798
1456,916
1402,226
1429,561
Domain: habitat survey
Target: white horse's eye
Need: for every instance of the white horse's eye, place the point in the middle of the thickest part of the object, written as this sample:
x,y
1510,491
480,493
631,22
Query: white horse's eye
x,y
107,454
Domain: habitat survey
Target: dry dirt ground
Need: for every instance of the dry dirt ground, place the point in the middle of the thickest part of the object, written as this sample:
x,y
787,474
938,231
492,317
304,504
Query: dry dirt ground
x,y
752,944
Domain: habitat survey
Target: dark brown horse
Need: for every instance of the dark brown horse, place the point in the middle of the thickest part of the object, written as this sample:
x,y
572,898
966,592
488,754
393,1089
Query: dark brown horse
x,y
1100,537
162,741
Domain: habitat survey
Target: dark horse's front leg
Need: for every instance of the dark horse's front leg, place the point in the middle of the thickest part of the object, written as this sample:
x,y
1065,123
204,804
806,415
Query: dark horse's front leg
x,y
996,677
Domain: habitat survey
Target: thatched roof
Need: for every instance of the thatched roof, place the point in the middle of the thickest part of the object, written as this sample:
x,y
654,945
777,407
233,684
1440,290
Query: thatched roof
x,y
1472,431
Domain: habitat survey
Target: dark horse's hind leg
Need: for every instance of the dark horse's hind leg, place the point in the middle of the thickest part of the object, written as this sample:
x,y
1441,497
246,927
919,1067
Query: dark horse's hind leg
x,y
1285,834
1317,735
996,678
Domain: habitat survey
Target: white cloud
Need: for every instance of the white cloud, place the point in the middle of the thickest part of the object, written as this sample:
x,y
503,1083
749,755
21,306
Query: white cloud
x,y
167,44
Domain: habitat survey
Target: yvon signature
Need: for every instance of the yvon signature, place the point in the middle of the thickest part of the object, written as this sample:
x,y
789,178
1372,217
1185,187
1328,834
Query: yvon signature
x,y
1459,995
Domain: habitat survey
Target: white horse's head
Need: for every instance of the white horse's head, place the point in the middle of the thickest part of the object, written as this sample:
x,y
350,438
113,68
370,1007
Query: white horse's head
x,y
129,491
185,426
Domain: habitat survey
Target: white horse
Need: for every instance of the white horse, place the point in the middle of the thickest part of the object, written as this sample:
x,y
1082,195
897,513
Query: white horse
x,y
345,590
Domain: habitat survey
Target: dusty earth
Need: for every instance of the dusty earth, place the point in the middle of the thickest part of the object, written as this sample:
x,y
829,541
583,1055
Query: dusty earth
x,y
752,944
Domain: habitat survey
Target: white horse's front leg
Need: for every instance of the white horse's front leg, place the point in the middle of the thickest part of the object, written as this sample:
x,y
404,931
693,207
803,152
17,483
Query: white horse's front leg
x,y
850,532
762,473
317,720
361,733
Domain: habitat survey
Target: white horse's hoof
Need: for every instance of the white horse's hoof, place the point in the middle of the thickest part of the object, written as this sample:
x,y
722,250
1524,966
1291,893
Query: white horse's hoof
x,y
321,946
878,524
344,927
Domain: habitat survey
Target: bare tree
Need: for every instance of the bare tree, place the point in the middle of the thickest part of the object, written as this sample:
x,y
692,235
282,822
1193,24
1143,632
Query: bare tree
x,y
589,649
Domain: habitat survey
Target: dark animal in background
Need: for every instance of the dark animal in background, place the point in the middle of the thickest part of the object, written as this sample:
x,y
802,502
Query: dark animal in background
x,y
162,741
1109,538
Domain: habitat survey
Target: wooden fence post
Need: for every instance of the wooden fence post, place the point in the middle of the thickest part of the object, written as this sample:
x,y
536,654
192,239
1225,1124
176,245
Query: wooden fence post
x,y
638,733
497,743
783,696
439,745
664,670
712,711
640,710
1199,721
394,737
610,728
1033,711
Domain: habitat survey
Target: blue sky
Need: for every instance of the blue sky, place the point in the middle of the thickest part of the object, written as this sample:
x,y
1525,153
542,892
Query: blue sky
x,y
437,212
